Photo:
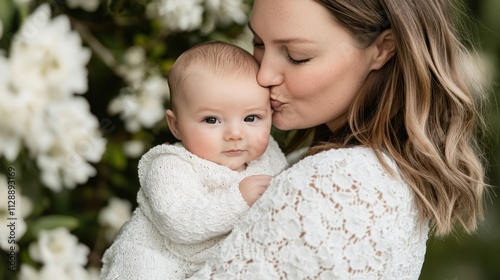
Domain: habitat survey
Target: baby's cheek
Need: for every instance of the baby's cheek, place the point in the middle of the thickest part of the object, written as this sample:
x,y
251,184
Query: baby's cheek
x,y
262,140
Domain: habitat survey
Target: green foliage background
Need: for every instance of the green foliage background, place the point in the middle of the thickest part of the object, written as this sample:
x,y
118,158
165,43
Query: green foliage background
x,y
119,24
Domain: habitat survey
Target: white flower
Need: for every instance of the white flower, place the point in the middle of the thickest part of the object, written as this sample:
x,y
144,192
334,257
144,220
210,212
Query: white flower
x,y
224,12
20,111
37,84
11,136
135,56
134,66
114,215
177,15
143,107
59,247
72,140
87,5
20,209
47,58
27,272
57,272
93,273
133,148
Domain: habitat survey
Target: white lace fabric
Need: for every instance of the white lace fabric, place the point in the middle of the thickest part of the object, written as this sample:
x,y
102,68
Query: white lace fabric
x,y
187,205
335,215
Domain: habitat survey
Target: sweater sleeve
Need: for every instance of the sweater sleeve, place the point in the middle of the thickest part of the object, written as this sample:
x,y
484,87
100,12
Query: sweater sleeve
x,y
181,208
330,216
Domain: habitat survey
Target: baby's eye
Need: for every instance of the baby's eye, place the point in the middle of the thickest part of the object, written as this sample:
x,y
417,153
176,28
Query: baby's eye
x,y
211,120
251,118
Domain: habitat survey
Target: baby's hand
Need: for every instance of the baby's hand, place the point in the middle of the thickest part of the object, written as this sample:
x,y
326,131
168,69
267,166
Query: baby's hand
x,y
252,187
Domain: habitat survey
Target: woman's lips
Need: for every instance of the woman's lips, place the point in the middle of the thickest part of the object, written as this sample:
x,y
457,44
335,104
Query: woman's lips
x,y
275,104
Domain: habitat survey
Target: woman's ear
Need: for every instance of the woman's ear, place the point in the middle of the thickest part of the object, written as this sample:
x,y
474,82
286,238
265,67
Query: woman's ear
x,y
384,47
172,123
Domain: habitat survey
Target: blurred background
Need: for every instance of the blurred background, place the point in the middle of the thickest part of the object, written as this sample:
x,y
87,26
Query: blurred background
x,y
82,97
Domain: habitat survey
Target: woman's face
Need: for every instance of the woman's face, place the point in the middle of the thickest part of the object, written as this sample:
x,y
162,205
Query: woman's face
x,y
312,65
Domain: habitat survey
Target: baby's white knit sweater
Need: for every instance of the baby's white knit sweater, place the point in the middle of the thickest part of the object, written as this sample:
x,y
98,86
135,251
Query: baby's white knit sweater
x,y
187,205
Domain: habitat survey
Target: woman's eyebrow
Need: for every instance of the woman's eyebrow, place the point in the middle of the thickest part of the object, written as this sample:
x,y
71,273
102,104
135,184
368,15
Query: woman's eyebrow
x,y
284,40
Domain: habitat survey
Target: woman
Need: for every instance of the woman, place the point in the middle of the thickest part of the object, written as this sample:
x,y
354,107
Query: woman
x,y
399,161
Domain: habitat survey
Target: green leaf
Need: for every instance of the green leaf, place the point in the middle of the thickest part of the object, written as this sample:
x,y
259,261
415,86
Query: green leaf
x,y
114,154
52,222
7,12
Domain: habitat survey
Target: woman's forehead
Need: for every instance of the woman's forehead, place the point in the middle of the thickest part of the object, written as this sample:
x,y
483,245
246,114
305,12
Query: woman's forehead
x,y
287,18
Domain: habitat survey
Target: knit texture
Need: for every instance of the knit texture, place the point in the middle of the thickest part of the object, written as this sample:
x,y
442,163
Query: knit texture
x,y
186,206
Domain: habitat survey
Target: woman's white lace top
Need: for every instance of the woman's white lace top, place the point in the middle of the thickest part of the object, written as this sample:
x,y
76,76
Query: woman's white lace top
x,y
186,206
335,215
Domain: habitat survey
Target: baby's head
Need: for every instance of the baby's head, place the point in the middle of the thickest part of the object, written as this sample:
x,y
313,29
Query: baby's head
x,y
219,111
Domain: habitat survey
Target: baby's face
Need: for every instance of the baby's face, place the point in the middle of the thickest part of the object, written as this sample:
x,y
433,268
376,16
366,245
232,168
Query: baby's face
x,y
226,120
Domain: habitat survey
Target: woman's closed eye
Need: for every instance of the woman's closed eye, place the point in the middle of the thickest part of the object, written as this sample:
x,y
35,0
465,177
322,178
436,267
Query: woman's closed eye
x,y
297,61
257,44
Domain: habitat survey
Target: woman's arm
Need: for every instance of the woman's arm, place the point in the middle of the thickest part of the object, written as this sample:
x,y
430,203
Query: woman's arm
x,y
182,209
327,217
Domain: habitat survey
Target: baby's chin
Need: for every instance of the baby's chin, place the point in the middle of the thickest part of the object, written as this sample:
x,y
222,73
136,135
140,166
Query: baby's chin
x,y
240,168
237,167
240,163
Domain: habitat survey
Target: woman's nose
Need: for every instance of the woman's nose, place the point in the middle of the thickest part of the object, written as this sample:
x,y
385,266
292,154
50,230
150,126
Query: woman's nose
x,y
269,74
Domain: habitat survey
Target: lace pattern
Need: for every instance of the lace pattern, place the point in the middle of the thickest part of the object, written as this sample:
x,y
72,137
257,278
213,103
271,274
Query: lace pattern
x,y
335,215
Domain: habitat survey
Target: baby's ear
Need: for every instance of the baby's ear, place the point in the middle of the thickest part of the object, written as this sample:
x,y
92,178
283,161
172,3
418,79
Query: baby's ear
x,y
172,123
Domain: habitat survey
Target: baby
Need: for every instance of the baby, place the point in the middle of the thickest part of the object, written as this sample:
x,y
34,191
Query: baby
x,y
192,192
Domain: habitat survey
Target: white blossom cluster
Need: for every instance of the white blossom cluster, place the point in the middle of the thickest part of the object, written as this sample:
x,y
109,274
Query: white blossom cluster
x,y
61,256
39,109
87,5
23,208
205,15
114,215
141,103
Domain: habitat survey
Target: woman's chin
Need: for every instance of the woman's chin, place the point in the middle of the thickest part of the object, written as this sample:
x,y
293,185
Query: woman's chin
x,y
279,123
284,124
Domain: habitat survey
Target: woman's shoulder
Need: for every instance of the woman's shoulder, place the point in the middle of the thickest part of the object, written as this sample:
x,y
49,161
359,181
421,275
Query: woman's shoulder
x,y
347,167
352,158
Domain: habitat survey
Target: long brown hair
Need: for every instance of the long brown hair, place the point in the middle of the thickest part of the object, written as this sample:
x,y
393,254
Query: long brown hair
x,y
418,108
